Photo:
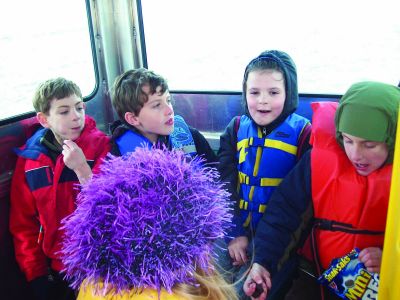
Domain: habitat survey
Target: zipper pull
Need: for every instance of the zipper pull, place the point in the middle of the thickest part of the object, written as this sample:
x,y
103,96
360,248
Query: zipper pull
x,y
264,131
40,236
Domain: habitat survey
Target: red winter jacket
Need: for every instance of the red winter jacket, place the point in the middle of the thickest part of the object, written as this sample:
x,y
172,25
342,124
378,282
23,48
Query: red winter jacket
x,y
42,194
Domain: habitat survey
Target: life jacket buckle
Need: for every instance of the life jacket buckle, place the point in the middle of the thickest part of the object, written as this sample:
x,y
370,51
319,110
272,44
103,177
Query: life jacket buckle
x,y
324,224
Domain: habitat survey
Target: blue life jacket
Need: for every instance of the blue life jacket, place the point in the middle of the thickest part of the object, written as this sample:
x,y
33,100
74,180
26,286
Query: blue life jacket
x,y
180,138
263,161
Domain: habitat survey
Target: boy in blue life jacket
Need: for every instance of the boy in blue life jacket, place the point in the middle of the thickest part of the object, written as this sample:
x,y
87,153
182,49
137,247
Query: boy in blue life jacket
x,y
58,157
144,105
259,148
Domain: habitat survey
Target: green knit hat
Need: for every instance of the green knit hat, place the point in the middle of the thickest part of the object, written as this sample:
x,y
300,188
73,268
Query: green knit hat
x,y
369,110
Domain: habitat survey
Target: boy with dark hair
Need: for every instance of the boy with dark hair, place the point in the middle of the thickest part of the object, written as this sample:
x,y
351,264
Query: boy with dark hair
x,y
258,149
143,103
50,165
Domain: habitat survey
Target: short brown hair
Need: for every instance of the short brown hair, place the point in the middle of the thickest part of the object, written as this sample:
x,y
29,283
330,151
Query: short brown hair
x,y
56,88
127,92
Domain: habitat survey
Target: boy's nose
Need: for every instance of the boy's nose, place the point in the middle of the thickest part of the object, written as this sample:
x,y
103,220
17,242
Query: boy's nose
x,y
356,154
169,110
75,114
263,98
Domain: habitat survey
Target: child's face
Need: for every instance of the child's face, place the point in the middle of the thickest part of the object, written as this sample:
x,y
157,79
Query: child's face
x,y
66,118
366,156
265,95
156,116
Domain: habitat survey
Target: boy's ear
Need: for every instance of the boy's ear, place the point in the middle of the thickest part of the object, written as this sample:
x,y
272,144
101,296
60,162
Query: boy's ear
x,y
132,119
42,118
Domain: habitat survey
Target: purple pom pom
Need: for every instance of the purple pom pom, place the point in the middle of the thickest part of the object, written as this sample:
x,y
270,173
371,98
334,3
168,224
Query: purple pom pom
x,y
145,220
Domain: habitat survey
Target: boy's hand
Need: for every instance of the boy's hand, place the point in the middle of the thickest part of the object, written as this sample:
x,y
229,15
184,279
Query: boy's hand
x,y
237,250
372,259
258,275
76,161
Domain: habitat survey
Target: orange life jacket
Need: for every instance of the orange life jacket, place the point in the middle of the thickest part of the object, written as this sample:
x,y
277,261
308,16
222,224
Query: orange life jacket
x,y
350,209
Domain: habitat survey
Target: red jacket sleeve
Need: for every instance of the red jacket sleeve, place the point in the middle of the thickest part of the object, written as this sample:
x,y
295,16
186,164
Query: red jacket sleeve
x,y
24,226
104,146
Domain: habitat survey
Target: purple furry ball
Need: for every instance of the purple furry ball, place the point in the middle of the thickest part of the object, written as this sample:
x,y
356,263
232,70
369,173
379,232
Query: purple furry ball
x,y
145,221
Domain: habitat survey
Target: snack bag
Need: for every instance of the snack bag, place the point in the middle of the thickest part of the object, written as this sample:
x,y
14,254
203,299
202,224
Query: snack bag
x,y
349,279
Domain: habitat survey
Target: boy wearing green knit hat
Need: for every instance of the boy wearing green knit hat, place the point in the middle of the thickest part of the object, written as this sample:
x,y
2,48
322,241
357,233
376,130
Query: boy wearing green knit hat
x,y
337,195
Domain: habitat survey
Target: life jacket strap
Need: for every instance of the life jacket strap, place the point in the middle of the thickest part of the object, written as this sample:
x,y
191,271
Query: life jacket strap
x,y
244,205
331,225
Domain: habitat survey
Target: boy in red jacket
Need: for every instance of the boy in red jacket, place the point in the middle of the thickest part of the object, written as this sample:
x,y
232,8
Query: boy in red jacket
x,y
53,161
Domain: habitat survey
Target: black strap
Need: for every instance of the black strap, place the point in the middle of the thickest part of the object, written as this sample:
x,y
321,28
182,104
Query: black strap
x,y
316,260
235,131
305,136
237,124
331,225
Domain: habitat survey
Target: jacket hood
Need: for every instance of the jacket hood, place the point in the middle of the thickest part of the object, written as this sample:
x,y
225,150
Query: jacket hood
x,y
117,128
